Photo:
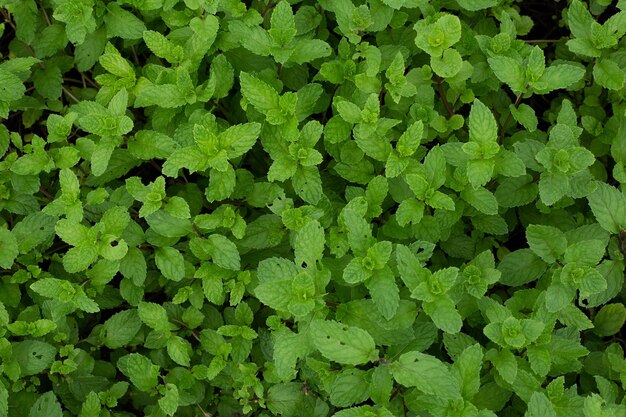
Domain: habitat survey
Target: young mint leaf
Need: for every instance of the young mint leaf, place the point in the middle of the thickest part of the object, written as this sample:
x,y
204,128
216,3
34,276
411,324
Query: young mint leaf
x,y
283,25
91,406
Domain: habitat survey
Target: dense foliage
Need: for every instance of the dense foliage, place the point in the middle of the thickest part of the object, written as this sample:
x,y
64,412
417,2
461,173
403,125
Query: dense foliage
x,y
311,208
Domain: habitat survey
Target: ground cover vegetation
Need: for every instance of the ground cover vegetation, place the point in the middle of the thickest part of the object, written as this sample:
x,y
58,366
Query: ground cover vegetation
x,y
349,208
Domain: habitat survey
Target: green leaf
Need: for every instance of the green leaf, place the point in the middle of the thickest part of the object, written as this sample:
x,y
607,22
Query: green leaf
x,y
586,252
540,406
154,316
33,356
521,267
121,328
444,314
221,184
448,65
553,187
384,291
505,363
239,139
283,25
11,86
558,76
610,319
8,249
275,294
474,5
410,139
4,401
579,19
166,96
481,199
309,244
46,405
540,360
451,26
171,263
308,184
122,23
170,400
91,406
349,111
479,172
609,207
224,252
284,398
343,344
482,124
263,97
469,365
140,370
547,242
409,370
608,74
525,115
509,71
381,385
355,272
349,388
162,47
178,350
308,50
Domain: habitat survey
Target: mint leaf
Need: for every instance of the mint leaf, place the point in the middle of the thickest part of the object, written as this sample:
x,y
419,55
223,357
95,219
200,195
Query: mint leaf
x,y
341,343
171,263
608,74
609,208
540,406
263,97
610,319
409,366
8,248
140,370
46,405
547,242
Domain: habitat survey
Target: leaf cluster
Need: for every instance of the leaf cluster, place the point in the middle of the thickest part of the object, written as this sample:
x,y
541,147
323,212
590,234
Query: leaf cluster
x,y
312,208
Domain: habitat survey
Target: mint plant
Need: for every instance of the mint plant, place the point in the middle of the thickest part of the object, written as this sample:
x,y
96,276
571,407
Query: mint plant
x,y
312,208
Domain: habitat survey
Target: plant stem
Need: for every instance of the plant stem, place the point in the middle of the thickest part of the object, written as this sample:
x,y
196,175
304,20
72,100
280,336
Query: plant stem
x,y
72,96
508,117
270,5
545,40
443,97
45,15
